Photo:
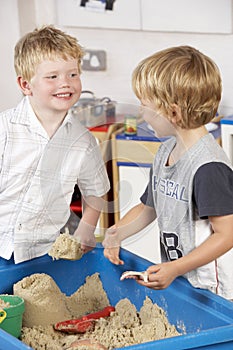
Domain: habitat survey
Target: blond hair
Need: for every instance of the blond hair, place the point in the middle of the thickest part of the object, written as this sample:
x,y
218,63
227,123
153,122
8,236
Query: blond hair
x,y
183,76
46,43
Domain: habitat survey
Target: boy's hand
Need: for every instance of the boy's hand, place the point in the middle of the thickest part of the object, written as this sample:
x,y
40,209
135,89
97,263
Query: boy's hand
x,y
111,243
160,276
112,254
87,241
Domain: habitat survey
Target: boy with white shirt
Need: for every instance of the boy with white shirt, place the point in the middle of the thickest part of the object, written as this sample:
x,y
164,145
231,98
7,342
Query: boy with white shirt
x,y
45,151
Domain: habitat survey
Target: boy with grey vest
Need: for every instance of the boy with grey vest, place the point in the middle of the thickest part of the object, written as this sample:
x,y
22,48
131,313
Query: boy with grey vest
x,y
190,190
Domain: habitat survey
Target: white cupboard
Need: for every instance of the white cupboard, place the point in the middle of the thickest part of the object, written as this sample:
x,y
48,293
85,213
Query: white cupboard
x,y
125,15
199,16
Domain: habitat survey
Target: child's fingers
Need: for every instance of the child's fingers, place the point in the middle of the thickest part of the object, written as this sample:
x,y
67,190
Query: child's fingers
x,y
113,256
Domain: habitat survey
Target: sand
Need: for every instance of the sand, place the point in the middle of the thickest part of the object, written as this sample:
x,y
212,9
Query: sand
x,y
66,247
126,326
44,302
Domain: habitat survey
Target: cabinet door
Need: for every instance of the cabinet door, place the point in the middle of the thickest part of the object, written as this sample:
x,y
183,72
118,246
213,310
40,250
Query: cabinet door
x,y
133,181
125,15
227,139
200,16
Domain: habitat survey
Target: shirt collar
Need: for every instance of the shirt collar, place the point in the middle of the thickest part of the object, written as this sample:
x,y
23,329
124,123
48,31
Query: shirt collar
x,y
22,112
25,115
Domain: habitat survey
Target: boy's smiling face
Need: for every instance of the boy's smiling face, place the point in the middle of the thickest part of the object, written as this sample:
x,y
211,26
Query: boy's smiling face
x,y
55,87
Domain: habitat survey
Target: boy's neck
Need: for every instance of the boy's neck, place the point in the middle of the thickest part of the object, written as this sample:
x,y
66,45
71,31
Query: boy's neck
x,y
191,136
50,121
51,126
185,139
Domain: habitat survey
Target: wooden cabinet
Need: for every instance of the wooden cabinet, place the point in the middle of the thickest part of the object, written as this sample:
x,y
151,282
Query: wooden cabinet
x,y
131,161
137,151
103,135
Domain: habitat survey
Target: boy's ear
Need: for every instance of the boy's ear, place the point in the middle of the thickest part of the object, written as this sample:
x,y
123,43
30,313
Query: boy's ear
x,y
24,86
175,114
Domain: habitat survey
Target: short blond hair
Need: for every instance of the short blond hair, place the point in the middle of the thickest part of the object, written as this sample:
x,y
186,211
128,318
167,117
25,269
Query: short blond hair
x,y
45,43
183,76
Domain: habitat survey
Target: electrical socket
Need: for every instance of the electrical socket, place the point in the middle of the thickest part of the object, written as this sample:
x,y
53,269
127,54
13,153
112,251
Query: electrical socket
x,y
94,60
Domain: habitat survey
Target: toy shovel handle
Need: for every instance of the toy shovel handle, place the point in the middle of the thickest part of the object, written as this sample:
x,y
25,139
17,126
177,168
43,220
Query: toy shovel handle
x,y
3,315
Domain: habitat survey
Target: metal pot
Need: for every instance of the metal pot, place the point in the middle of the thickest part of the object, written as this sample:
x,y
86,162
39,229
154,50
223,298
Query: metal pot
x,y
90,110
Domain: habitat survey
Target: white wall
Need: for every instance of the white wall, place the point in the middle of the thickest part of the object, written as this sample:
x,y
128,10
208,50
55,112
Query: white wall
x,y
9,29
124,48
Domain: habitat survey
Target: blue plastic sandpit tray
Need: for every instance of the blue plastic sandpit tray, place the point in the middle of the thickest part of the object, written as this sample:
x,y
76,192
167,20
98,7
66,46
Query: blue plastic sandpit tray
x,y
206,318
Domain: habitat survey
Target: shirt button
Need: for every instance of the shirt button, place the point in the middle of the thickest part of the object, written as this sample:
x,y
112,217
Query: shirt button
x,y
19,227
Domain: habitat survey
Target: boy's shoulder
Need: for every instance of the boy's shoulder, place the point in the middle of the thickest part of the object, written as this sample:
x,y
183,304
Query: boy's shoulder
x,y
206,150
16,113
6,117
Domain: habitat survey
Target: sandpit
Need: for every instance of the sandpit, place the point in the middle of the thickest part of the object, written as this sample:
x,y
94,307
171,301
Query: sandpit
x,y
46,305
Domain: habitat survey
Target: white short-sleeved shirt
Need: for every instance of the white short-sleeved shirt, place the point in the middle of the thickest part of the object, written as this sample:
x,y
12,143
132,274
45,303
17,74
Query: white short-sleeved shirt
x,y
37,179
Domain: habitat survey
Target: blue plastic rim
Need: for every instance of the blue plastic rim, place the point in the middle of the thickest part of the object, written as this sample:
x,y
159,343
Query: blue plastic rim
x,y
206,318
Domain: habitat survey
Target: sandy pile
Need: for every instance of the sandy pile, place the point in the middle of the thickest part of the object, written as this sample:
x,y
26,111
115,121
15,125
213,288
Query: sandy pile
x,y
44,302
66,247
124,327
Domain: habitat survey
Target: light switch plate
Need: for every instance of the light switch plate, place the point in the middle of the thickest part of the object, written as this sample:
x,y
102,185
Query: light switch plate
x,y
94,60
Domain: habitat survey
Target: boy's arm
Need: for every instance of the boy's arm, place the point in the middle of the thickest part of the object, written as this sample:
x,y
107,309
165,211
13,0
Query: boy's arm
x,y
134,221
221,241
92,207
215,246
